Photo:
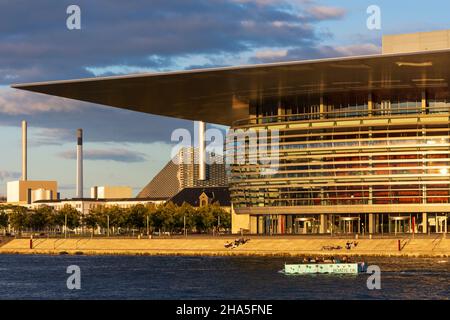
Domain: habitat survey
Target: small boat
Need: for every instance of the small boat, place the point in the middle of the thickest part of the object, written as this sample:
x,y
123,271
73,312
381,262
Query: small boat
x,y
331,268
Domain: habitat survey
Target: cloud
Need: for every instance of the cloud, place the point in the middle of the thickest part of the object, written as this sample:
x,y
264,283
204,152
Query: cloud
x,y
51,136
271,54
124,36
115,154
325,12
357,49
9,175
319,52
17,102
135,36
57,119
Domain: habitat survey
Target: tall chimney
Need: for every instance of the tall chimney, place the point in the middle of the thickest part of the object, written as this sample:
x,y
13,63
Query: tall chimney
x,y
24,151
201,151
79,163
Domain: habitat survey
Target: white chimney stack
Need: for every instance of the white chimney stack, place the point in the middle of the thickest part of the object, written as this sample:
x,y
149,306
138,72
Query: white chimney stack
x,y
79,163
201,151
24,151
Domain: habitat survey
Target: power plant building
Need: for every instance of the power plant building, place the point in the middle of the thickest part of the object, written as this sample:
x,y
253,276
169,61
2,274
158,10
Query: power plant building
x,y
25,191
111,192
355,144
183,171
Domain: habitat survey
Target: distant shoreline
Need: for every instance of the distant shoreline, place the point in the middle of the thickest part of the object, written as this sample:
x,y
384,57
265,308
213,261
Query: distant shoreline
x,y
264,247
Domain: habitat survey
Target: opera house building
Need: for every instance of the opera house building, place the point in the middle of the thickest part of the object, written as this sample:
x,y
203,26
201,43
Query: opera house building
x,y
362,143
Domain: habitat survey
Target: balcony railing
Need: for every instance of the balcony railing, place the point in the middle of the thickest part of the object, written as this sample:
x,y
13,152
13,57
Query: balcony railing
x,y
337,114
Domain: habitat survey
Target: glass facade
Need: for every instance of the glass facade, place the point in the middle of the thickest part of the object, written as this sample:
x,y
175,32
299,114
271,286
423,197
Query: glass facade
x,y
383,154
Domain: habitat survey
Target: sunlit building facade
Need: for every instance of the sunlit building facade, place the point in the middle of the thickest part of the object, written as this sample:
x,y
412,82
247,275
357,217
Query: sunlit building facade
x,y
348,162
362,142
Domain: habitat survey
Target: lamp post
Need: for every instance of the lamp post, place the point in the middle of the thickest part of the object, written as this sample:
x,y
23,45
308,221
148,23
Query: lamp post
x,y
107,223
148,233
65,226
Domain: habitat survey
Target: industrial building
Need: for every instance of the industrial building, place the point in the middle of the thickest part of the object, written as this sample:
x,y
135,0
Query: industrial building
x,y
26,191
85,205
111,192
362,142
183,172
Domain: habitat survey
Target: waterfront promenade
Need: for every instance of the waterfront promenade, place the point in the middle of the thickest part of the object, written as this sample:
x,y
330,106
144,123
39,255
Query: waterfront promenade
x,y
434,245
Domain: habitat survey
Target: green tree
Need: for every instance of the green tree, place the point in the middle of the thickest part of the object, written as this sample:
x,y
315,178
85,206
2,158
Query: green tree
x,y
162,218
185,211
117,217
17,218
136,217
204,219
221,215
91,221
39,219
100,215
69,212
72,214
3,220
169,212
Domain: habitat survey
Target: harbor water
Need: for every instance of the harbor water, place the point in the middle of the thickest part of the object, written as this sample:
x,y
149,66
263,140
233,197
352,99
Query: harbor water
x,y
178,277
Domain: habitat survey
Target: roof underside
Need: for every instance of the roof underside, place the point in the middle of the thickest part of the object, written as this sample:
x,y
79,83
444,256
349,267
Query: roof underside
x,y
221,95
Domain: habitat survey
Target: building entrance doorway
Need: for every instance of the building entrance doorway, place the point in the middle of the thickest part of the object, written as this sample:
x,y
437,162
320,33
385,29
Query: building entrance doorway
x,y
399,225
304,225
441,224
349,225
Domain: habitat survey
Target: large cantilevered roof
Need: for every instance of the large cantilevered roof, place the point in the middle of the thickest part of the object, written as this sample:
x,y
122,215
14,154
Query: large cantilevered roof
x,y
221,95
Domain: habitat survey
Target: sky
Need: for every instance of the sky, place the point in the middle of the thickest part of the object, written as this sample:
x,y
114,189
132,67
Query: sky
x,y
120,37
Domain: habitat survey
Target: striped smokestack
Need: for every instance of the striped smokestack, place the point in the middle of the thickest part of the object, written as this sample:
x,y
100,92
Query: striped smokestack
x,y
79,163
24,151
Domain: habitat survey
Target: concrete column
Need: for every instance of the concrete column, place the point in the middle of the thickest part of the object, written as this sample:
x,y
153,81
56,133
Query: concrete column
x,y
289,224
280,110
424,193
24,151
252,112
425,222
369,104
201,151
321,107
323,223
424,101
261,224
371,223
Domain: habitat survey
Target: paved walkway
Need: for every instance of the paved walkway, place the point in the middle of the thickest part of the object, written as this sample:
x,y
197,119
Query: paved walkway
x,y
436,246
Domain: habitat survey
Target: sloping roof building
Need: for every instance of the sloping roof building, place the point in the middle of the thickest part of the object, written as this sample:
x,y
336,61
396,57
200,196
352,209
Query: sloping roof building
x,y
194,195
182,172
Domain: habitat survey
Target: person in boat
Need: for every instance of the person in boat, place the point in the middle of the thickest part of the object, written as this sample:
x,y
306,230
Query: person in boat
x,y
327,260
348,245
